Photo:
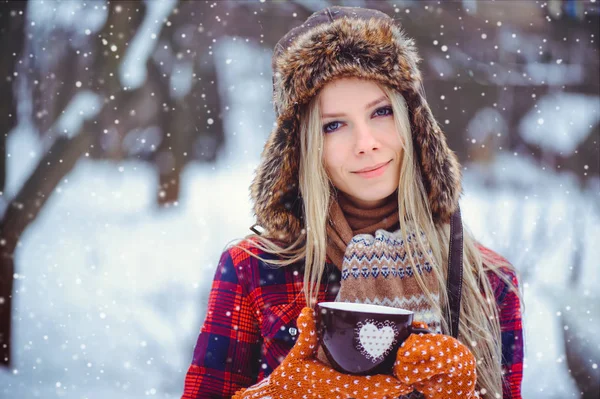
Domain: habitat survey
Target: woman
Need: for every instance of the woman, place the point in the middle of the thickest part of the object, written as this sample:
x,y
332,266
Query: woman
x,y
356,155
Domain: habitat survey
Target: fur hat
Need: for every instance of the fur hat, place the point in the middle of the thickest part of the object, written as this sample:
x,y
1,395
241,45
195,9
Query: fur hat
x,y
345,42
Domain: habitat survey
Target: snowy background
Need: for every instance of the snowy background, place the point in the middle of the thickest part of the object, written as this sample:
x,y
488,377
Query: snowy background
x,y
110,289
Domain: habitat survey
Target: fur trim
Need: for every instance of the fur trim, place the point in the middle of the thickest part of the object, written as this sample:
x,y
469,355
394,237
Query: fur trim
x,y
345,42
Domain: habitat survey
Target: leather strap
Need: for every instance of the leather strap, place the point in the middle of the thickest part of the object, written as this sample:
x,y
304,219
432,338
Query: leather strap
x,y
455,272
454,283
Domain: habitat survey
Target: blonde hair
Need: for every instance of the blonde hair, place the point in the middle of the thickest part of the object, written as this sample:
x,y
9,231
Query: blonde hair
x,y
479,327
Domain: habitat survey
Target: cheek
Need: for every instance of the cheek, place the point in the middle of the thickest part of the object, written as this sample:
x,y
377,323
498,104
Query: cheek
x,y
333,159
397,145
394,141
330,155
392,133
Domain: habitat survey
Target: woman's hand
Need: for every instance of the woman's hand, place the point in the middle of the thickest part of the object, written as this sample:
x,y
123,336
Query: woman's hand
x,y
300,375
437,365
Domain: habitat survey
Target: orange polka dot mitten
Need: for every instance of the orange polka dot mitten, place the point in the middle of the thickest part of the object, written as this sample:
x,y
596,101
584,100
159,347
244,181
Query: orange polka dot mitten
x,y
302,376
439,366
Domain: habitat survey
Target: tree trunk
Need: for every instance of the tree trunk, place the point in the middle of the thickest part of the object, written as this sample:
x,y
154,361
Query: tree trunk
x,y
12,37
59,160
23,209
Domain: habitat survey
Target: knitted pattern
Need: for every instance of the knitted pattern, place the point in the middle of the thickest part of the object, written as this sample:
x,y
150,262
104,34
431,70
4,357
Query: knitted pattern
x,y
437,365
377,270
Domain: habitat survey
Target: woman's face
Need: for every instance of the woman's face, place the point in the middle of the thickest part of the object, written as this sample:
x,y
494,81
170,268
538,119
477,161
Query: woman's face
x,y
362,148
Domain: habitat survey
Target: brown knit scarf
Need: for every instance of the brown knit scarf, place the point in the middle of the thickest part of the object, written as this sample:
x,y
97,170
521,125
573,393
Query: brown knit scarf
x,y
367,246
347,220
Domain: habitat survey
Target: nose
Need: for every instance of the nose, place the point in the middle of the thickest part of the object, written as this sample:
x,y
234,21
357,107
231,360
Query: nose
x,y
365,139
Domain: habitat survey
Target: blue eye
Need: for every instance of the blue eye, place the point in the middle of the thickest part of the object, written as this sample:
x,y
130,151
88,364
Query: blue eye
x,y
384,111
331,126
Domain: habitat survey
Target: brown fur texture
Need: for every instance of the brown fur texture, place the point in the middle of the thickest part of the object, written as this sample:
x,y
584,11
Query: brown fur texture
x,y
345,42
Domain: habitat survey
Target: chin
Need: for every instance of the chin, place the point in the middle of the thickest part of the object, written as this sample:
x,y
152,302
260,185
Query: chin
x,y
377,194
373,197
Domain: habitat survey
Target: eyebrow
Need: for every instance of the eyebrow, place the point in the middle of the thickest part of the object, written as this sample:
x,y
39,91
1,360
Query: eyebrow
x,y
369,105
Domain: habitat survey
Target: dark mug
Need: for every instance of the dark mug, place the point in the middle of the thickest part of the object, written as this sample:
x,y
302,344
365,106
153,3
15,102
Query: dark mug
x,y
363,339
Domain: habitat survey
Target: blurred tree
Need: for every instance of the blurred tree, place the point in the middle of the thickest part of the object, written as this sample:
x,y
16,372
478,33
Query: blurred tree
x,y
12,37
62,154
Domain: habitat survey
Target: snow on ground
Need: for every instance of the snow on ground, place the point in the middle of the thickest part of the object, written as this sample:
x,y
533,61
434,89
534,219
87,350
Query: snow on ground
x,y
110,290
539,227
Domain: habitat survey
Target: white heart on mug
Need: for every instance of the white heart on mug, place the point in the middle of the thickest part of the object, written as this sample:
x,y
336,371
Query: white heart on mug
x,y
375,339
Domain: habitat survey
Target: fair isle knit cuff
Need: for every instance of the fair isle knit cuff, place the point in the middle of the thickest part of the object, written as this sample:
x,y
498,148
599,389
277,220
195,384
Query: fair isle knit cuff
x,y
377,270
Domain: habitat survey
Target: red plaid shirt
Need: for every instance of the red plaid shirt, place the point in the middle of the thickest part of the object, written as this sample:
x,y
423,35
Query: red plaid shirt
x,y
250,324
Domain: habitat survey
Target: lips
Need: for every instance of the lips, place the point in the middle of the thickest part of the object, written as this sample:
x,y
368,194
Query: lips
x,y
372,168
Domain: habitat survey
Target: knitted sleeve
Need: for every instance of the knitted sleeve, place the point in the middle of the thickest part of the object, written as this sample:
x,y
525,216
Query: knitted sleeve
x,y
228,346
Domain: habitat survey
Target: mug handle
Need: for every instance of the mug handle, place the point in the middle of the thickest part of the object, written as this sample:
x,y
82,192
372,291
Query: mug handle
x,y
419,330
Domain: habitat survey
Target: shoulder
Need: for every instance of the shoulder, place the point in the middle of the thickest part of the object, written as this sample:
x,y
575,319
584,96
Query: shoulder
x,y
242,256
241,252
248,253
236,261
252,266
